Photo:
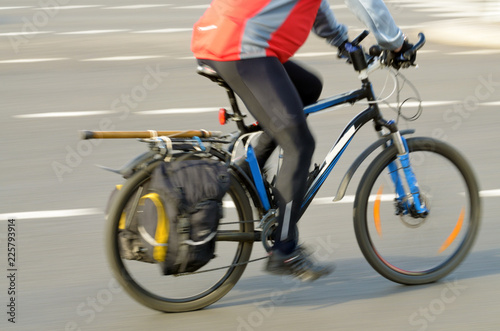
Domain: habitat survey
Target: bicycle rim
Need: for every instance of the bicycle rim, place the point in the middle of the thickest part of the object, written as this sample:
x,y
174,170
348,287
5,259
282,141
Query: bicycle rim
x,y
144,281
418,250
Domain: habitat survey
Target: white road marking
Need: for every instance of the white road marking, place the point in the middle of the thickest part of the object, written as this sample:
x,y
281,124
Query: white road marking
x,y
66,114
424,104
493,103
165,30
390,197
422,5
50,214
124,58
31,60
315,54
349,199
172,111
477,52
14,7
328,200
92,32
177,111
426,51
226,204
24,33
67,7
430,10
193,7
457,14
143,6
489,193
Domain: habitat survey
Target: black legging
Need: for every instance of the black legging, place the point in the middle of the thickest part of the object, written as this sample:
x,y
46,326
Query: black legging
x,y
275,94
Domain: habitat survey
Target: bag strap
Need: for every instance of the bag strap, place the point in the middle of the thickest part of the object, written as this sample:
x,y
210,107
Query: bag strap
x,y
183,229
148,238
168,145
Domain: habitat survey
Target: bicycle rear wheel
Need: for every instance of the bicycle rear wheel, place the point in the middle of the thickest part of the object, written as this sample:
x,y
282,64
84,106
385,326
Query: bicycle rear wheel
x,y
144,281
418,250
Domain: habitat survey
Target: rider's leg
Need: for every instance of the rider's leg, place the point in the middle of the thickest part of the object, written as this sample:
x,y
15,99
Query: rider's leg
x,y
268,92
307,83
309,86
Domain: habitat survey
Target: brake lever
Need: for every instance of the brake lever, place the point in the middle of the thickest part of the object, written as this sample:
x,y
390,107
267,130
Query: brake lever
x,y
349,46
356,41
418,45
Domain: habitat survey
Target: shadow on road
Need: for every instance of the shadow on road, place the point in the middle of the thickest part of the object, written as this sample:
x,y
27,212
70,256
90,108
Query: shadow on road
x,y
352,280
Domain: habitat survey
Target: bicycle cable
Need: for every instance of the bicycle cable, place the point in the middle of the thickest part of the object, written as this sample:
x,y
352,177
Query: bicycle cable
x,y
416,97
393,76
400,81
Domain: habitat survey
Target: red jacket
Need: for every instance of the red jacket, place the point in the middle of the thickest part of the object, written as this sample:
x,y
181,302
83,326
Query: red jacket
x,y
238,29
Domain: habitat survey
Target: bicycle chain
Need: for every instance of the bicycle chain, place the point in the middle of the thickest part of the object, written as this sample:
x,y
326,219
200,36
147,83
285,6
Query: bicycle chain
x,y
228,266
219,268
264,221
252,221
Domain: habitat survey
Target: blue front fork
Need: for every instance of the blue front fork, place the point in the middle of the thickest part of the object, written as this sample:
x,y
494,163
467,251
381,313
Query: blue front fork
x,y
416,207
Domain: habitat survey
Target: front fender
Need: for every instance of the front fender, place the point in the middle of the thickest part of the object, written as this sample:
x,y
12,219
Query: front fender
x,y
359,160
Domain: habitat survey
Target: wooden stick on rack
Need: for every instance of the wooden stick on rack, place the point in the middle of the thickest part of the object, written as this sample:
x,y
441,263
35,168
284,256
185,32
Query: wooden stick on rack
x,y
86,134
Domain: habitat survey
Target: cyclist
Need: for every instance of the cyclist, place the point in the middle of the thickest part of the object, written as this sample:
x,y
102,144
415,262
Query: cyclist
x,y
249,44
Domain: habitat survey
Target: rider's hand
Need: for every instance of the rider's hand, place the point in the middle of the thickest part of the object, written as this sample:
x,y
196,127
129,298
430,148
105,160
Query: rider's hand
x,y
396,58
343,52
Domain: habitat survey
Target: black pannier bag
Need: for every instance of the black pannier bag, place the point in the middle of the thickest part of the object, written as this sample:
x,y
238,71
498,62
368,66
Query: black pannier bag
x,y
179,213
129,241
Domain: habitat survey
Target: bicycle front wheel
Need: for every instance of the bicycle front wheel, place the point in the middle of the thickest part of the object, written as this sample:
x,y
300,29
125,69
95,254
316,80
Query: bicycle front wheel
x,y
192,291
418,249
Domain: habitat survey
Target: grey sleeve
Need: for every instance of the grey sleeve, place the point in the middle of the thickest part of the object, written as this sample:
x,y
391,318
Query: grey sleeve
x,y
326,25
377,18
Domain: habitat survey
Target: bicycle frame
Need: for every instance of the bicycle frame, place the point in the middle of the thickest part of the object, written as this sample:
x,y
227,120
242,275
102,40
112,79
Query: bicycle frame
x,y
331,159
372,113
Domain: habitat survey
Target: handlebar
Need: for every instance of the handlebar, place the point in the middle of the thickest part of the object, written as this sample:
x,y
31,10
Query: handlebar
x,y
375,60
418,45
375,50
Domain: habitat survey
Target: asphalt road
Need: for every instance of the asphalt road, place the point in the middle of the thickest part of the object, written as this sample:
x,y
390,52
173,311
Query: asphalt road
x,y
98,64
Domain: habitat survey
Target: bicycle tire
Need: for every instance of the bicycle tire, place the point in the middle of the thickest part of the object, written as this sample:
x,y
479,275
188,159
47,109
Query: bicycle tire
x,y
147,297
370,243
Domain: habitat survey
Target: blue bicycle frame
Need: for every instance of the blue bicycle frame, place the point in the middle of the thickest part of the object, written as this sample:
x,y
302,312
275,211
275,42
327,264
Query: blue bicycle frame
x,y
372,113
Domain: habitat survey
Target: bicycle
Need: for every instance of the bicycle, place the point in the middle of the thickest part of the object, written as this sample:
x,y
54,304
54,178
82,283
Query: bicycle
x,y
417,233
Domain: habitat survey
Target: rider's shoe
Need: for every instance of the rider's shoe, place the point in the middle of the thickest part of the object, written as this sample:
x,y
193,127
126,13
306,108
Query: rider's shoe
x,y
297,264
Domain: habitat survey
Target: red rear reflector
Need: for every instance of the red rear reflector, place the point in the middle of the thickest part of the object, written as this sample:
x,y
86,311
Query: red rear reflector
x,y
222,116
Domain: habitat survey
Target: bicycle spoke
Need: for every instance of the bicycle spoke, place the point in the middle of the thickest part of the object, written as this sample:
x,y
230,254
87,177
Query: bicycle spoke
x,y
411,243
402,244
